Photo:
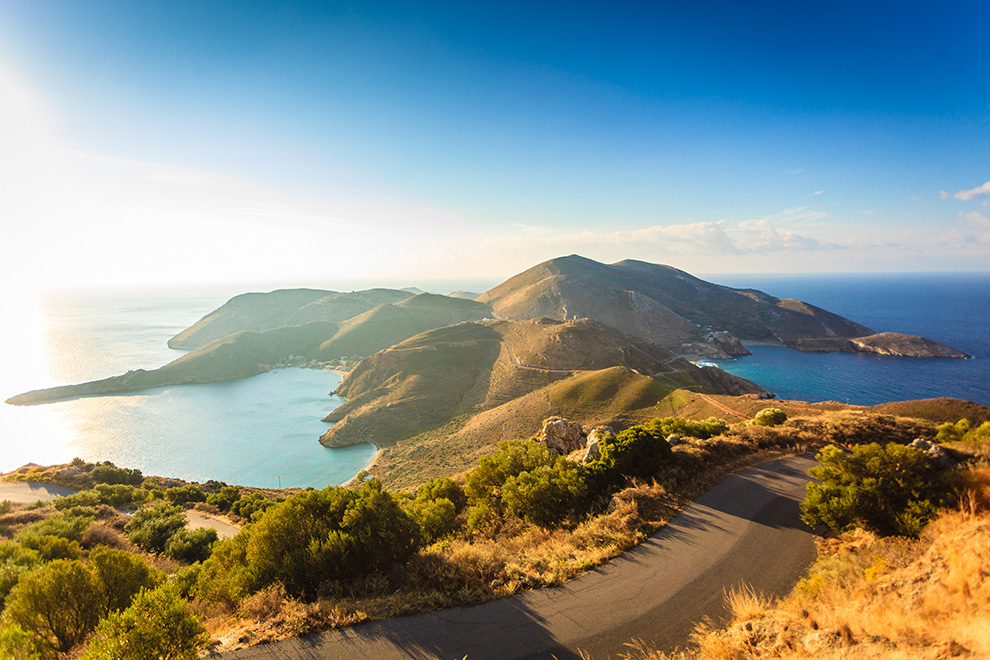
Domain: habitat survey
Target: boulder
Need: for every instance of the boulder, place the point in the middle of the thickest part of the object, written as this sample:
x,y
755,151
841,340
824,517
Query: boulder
x,y
561,436
596,435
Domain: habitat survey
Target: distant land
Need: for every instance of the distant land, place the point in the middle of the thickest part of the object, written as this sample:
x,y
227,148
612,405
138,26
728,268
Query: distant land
x,y
644,319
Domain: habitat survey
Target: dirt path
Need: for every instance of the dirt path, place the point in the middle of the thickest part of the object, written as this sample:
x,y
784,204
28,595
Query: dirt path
x,y
744,530
721,406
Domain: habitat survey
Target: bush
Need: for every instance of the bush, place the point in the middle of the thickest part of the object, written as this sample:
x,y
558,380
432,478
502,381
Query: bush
x,y
962,431
51,547
513,458
436,518
638,452
184,494
892,490
546,495
703,430
226,577
443,488
15,560
121,576
59,604
251,507
225,498
18,644
330,534
191,545
68,525
152,527
108,473
770,417
156,625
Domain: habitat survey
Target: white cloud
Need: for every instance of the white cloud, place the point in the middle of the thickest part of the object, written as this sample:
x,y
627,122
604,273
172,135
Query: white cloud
x,y
967,195
817,193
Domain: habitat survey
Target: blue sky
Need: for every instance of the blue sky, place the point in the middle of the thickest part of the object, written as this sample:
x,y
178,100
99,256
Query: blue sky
x,y
313,142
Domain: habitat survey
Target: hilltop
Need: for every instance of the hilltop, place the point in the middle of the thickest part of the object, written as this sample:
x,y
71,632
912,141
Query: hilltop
x,y
257,312
674,309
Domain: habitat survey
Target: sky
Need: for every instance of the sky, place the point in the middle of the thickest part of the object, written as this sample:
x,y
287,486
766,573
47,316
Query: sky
x,y
149,144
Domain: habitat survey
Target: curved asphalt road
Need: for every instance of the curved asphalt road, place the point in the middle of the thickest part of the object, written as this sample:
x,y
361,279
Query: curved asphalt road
x,y
744,530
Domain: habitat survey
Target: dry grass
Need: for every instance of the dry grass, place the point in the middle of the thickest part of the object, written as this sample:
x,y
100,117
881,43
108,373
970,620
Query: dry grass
x,y
868,597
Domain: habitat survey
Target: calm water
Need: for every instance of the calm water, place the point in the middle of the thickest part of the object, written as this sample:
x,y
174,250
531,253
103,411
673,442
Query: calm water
x,y
259,431
263,430
950,308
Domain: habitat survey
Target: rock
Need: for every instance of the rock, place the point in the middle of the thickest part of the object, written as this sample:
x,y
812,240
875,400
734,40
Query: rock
x,y
596,435
937,453
673,440
561,436
728,342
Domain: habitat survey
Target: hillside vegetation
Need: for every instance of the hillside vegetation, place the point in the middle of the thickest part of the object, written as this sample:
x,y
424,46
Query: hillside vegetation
x,y
493,379
257,312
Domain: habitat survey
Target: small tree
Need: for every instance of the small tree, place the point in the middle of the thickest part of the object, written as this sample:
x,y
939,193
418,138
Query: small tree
x,y
157,626
59,604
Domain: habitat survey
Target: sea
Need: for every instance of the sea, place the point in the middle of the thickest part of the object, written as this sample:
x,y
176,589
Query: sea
x,y
264,430
951,308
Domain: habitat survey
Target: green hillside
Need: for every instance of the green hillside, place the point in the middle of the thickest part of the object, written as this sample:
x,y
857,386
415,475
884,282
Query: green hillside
x,y
390,324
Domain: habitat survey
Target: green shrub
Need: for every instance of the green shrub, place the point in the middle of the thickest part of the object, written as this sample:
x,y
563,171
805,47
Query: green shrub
x,y
443,488
121,576
151,527
58,604
962,431
227,577
184,494
638,452
770,417
15,560
512,458
69,524
892,490
251,507
702,430
109,473
436,518
225,498
330,534
18,644
156,625
191,545
546,495
51,547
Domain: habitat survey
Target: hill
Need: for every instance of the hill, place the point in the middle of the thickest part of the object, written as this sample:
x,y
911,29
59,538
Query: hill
x,y
257,312
660,303
389,324
234,356
247,353
453,392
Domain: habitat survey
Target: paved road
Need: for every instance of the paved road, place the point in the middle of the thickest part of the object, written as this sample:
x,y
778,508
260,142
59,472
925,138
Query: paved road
x,y
28,493
746,529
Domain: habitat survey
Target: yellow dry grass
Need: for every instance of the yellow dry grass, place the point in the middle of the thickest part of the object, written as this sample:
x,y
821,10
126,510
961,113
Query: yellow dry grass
x,y
869,597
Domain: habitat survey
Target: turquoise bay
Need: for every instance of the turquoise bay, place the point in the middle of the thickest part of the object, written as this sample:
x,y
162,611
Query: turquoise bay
x,y
261,431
